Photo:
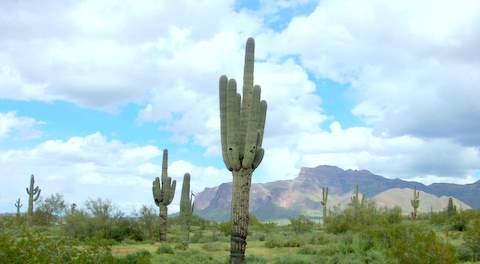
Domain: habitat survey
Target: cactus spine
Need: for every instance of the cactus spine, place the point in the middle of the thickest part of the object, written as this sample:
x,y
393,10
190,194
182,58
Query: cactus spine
x,y
163,192
415,202
18,204
242,122
186,208
324,202
33,195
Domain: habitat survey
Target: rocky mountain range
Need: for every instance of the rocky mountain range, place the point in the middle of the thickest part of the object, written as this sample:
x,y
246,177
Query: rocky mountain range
x,y
302,195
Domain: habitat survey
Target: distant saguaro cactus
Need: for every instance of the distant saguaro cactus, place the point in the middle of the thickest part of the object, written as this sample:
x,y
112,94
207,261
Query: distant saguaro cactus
x,y
356,197
324,202
242,125
186,209
415,202
451,209
33,195
163,192
18,204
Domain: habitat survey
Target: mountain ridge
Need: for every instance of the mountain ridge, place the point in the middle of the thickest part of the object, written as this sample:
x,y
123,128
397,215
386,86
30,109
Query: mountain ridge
x,y
302,195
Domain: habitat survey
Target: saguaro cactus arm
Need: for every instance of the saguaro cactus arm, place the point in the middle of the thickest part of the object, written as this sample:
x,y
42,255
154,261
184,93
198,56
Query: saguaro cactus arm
x,y
242,120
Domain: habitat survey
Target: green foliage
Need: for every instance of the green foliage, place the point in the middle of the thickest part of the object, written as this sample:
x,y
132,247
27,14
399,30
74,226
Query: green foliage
x,y
412,243
142,257
215,246
165,249
472,239
301,224
255,260
187,256
37,248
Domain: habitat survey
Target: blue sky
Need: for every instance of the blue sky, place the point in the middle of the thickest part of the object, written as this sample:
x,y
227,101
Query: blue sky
x,y
90,92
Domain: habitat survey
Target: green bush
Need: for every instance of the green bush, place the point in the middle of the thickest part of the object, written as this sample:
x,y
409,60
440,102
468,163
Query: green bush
x,y
187,256
142,257
165,249
472,239
301,224
307,250
37,248
255,260
215,246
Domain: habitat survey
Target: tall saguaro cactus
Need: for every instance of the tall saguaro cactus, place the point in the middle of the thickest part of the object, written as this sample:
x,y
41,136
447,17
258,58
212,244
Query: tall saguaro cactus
x,y
415,202
163,191
242,120
33,195
324,202
18,205
186,208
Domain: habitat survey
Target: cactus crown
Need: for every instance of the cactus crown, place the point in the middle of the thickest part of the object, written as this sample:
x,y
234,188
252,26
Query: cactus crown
x,y
164,190
324,196
186,200
33,193
416,198
242,119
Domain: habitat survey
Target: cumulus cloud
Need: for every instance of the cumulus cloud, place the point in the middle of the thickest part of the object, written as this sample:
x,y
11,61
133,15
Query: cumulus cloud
x,y
95,166
412,70
411,64
20,127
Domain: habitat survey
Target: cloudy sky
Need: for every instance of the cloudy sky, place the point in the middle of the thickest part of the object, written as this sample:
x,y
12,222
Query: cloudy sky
x,y
92,91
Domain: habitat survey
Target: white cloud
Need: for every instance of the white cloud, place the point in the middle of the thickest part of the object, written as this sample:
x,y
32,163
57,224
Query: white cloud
x,y
94,166
413,65
12,125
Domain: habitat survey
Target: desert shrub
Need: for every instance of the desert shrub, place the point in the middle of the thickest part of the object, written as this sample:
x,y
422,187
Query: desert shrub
x,y
196,237
458,222
142,257
276,241
37,248
301,224
225,228
412,243
255,260
292,259
464,253
165,249
472,239
307,250
215,246
187,256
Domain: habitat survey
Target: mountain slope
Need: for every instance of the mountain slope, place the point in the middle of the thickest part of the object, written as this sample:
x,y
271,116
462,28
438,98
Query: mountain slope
x,y
302,195
401,197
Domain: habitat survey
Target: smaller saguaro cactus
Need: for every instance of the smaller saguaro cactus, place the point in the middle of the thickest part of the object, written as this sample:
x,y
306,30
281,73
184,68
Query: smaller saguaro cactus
x,y
451,209
415,202
163,192
186,209
33,195
356,197
18,204
324,202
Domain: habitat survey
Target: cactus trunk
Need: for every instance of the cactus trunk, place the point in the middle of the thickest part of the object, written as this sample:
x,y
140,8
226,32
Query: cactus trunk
x,y
186,209
240,216
242,123
163,222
